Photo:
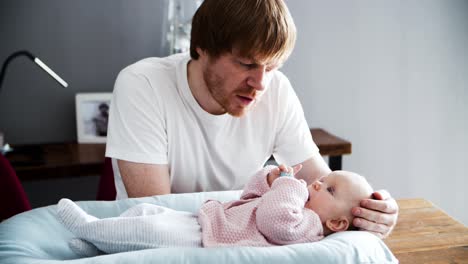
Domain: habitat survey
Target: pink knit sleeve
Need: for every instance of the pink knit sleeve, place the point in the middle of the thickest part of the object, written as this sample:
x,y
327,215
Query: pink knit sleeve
x,y
258,184
281,216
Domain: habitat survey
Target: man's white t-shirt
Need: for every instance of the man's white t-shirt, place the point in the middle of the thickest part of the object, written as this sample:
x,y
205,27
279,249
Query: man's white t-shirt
x,y
155,119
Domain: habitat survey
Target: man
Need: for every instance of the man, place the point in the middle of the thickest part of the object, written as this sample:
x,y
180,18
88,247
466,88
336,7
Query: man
x,y
210,120
101,120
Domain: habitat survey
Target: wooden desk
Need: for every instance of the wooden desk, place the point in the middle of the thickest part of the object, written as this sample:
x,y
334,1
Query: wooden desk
x,y
57,160
62,160
425,234
331,146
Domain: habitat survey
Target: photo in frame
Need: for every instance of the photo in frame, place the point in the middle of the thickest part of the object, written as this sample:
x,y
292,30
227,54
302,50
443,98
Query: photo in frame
x,y
92,115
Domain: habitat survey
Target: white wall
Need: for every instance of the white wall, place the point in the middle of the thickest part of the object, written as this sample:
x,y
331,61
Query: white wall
x,y
391,77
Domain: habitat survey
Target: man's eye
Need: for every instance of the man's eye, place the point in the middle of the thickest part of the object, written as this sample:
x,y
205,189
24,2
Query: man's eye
x,y
246,65
331,190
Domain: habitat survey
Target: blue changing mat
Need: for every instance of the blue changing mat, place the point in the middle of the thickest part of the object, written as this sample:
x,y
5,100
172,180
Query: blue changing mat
x,y
37,237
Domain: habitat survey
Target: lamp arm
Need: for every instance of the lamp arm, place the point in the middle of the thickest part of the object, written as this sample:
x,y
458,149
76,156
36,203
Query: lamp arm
x,y
9,59
33,59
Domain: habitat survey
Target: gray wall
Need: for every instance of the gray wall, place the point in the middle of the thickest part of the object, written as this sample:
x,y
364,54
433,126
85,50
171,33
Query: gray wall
x,y
86,42
390,76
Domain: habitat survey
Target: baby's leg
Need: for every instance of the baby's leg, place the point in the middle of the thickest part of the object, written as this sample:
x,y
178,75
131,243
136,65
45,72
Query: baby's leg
x,y
71,215
141,227
83,247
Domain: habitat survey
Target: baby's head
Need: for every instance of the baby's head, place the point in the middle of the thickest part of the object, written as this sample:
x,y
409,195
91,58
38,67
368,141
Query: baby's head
x,y
332,198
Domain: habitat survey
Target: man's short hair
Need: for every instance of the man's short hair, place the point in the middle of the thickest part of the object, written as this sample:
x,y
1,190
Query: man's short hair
x,y
258,29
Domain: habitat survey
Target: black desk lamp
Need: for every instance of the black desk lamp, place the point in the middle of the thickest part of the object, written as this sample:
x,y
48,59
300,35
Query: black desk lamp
x,y
40,64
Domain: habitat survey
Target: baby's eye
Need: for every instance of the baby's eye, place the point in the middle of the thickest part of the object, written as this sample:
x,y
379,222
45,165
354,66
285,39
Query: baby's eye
x,y
331,190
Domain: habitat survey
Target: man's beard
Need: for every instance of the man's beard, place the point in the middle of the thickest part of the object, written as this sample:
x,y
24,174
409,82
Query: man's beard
x,y
216,85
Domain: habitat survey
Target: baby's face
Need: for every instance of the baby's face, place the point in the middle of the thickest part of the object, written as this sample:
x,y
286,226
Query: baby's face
x,y
335,195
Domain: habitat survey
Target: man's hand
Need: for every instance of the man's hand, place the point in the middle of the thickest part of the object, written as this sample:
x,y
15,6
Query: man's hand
x,y
275,173
378,216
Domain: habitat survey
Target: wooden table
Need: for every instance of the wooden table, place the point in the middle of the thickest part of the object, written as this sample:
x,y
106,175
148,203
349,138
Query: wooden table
x,y
425,234
62,160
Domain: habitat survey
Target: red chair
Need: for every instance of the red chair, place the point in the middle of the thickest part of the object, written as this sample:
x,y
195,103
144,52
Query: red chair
x,y
106,188
13,199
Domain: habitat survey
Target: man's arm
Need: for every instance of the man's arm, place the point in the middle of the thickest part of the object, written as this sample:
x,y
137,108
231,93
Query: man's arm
x,y
312,169
142,179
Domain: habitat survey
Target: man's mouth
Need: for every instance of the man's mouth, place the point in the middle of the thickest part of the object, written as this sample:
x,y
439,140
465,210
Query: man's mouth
x,y
245,100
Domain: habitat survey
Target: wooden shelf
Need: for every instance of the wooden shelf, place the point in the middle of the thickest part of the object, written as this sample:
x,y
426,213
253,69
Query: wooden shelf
x,y
330,145
57,160
63,160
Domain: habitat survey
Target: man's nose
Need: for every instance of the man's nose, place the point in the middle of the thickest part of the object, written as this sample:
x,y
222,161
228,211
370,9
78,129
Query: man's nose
x,y
257,78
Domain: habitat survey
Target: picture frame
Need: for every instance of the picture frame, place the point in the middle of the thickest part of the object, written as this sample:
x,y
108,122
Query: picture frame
x,y
92,115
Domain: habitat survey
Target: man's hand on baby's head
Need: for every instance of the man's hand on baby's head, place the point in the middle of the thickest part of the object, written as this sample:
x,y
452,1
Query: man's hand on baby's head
x,y
378,215
276,172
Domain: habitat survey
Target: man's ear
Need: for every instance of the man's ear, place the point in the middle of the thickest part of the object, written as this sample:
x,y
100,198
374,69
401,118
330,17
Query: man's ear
x,y
200,51
336,225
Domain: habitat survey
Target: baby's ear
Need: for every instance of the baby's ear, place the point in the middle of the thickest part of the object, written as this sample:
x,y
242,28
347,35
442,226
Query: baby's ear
x,y
336,225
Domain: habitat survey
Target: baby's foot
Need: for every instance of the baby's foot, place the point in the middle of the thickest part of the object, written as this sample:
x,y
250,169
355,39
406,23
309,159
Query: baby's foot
x,y
72,216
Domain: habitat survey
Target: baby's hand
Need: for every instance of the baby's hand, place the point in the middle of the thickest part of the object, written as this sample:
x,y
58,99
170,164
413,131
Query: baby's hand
x,y
276,172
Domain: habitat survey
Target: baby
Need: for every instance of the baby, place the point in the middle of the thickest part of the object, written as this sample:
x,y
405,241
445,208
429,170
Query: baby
x,y
274,209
